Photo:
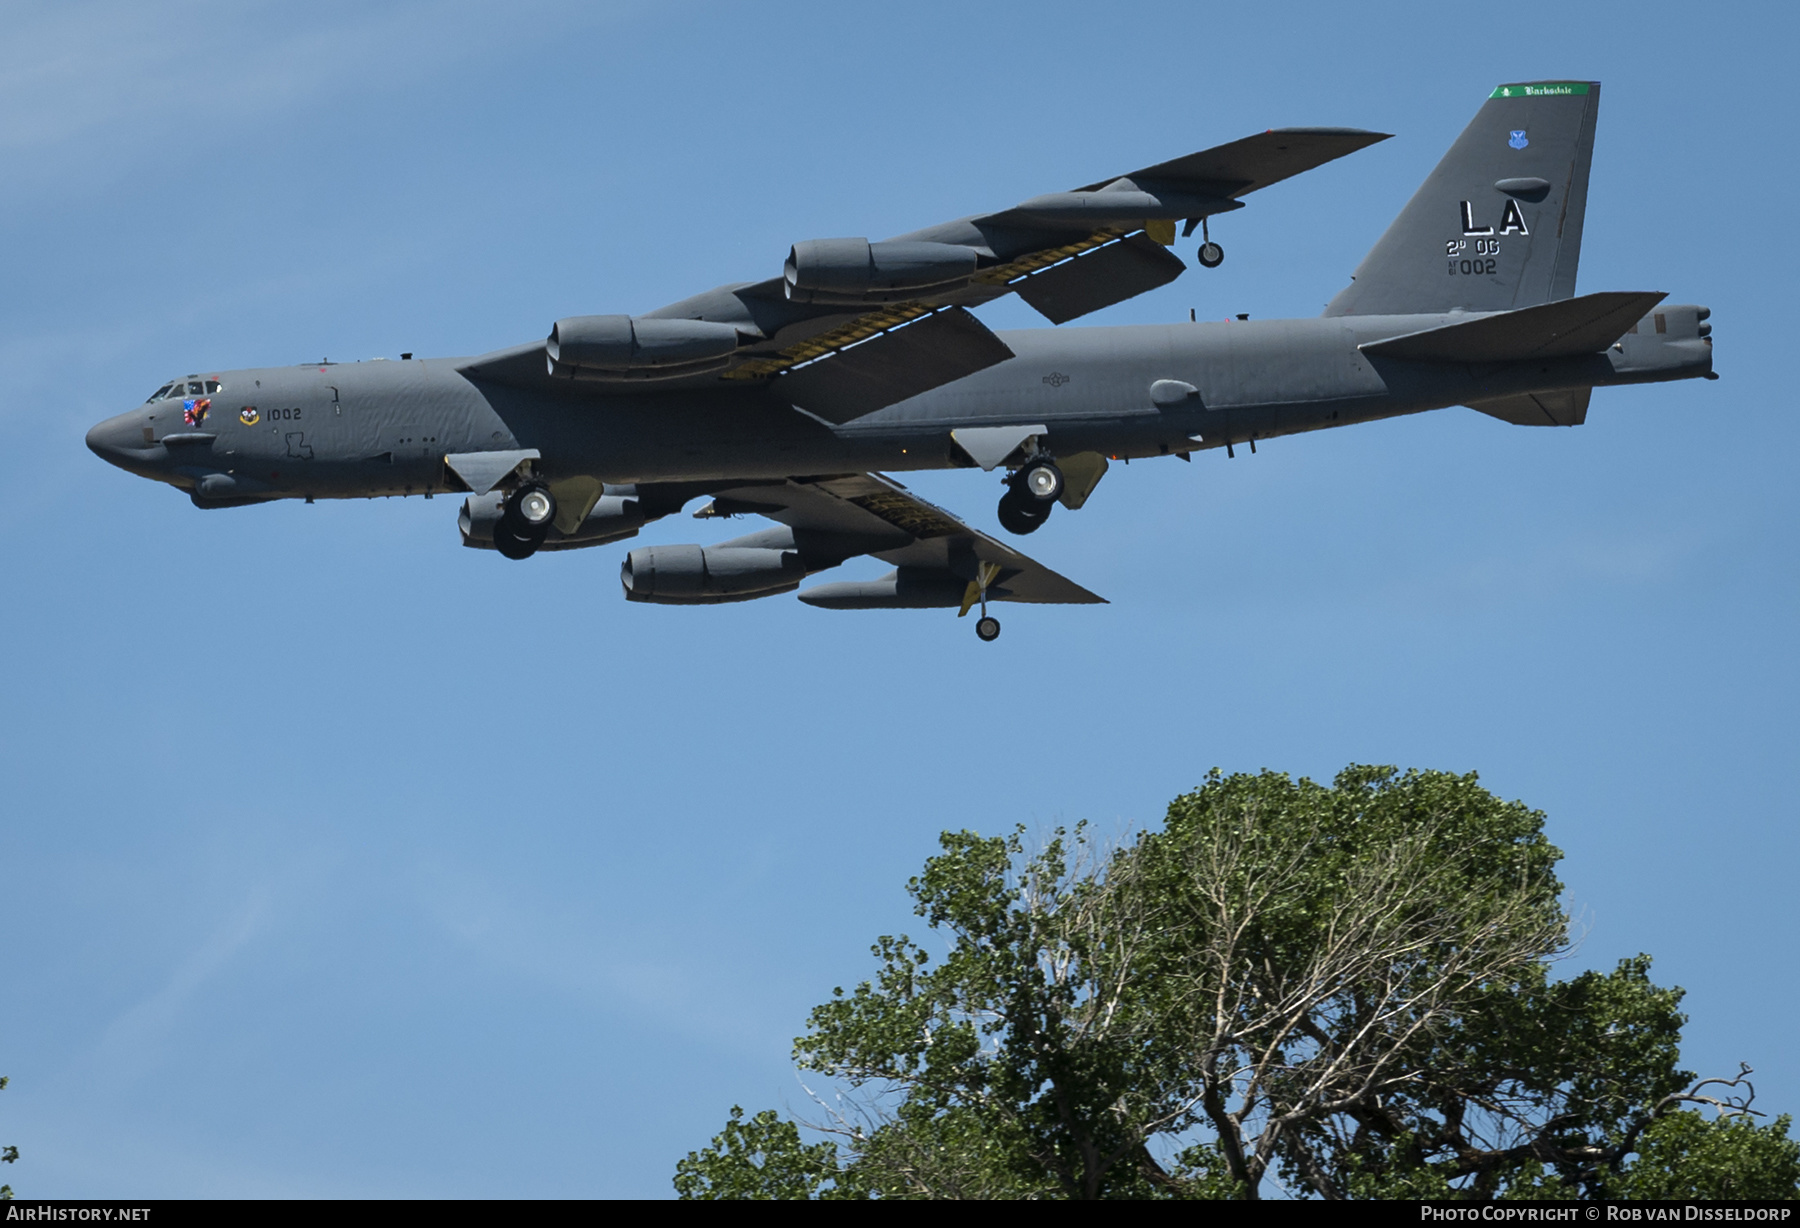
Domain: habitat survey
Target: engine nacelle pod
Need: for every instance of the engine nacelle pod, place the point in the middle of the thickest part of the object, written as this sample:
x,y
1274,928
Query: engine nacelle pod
x,y
602,344
904,588
858,271
707,575
613,518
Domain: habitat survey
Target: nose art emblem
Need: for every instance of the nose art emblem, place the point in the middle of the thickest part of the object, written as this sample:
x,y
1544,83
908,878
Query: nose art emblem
x,y
193,412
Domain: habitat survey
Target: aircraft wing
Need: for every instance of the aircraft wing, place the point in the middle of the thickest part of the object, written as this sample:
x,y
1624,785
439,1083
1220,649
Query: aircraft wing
x,y
851,326
1257,161
938,560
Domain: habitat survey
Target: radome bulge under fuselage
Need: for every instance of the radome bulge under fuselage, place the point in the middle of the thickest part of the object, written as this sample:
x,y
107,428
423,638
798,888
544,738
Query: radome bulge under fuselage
x,y
358,430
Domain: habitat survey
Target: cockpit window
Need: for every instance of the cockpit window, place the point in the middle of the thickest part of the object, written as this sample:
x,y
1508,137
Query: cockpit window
x,y
186,388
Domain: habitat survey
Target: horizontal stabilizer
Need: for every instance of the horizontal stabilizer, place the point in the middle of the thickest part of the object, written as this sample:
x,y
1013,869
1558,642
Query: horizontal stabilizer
x,y
1562,329
1567,407
1100,278
892,366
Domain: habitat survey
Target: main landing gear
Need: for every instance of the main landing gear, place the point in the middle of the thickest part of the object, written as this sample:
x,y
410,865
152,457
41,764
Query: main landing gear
x,y
525,521
1030,494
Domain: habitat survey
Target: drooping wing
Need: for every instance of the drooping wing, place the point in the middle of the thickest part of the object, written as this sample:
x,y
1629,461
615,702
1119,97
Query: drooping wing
x,y
1065,253
935,555
1257,161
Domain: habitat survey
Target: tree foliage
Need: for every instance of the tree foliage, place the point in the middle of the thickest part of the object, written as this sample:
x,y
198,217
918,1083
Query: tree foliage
x,y
8,1155
760,1158
1342,991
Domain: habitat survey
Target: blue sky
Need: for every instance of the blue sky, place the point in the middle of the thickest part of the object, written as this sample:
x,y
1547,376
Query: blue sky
x,y
341,860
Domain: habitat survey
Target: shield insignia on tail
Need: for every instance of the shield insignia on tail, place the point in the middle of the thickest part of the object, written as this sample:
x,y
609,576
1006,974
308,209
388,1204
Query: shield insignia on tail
x,y
1518,141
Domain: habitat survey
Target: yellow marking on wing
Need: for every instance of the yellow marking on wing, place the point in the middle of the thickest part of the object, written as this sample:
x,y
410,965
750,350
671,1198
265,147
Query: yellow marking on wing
x,y
1004,274
860,329
984,576
883,318
908,515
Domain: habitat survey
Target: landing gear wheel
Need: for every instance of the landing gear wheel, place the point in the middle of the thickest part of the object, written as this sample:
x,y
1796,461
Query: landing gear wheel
x,y
987,629
512,546
1211,255
1021,514
530,509
1042,481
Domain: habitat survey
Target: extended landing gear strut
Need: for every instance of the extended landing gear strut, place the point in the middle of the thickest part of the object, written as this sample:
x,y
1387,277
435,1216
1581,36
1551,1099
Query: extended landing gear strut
x,y
1030,494
525,520
1210,255
987,627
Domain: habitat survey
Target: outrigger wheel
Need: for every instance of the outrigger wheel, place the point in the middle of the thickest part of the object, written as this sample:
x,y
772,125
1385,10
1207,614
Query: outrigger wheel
x,y
1210,255
987,627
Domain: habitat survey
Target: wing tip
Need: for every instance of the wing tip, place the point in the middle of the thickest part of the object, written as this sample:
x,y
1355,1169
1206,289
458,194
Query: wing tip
x,y
1370,133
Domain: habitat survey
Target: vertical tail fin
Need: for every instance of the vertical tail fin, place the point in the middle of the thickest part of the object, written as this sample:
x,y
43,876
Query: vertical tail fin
x,y
1498,224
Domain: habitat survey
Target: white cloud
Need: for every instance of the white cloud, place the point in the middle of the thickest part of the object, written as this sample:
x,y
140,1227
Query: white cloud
x,y
605,966
145,1026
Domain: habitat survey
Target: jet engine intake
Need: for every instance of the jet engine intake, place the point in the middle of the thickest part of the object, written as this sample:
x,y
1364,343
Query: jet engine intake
x,y
603,345
858,271
707,575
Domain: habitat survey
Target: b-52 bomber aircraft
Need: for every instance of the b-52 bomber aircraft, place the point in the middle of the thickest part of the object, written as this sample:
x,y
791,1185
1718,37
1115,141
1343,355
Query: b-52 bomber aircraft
x,y
786,397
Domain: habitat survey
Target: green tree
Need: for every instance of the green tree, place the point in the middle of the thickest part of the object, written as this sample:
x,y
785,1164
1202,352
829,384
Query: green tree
x,y
1344,990
759,1158
1685,1156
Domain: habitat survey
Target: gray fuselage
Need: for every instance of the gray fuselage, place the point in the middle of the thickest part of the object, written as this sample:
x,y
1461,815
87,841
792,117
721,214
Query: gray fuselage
x,y
364,429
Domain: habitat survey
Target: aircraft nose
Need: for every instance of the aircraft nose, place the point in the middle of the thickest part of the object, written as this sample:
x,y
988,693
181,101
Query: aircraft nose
x,y
115,439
